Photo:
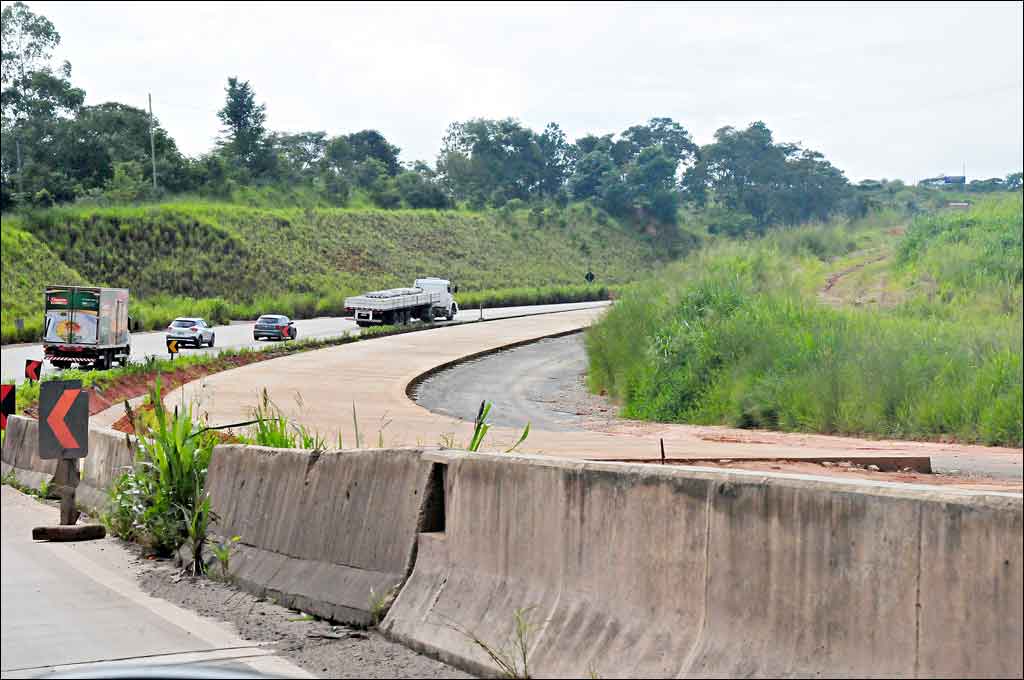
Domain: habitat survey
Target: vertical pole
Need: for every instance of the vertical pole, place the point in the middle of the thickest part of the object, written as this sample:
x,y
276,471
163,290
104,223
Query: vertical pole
x,y
481,311
21,181
662,442
152,140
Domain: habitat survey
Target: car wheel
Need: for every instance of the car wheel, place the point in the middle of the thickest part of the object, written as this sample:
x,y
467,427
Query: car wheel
x,y
212,337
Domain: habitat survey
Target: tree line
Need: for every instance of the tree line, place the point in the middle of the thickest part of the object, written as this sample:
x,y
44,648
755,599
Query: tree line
x,y
56,150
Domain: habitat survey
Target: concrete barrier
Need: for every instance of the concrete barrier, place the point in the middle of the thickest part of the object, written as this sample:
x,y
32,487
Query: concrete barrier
x,y
21,453
109,453
643,571
320,532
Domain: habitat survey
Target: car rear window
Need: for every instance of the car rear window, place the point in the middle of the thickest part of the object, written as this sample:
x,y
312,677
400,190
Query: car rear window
x,y
269,319
183,323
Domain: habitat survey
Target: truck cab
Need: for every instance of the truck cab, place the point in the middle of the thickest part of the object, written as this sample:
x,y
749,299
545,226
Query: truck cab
x,y
432,284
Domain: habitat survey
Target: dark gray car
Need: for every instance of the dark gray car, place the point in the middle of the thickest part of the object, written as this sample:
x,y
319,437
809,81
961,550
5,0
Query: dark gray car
x,y
274,327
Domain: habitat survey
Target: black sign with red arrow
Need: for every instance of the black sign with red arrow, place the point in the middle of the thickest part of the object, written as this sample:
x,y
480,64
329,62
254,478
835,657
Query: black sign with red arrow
x,y
7,404
63,419
33,367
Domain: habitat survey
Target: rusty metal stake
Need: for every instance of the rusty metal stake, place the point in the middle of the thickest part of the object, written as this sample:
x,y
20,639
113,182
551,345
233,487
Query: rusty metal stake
x,y
662,442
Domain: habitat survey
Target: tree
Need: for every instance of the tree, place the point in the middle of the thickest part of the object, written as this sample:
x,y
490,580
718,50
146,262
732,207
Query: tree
x,y
300,155
372,144
244,134
1013,181
419,188
34,99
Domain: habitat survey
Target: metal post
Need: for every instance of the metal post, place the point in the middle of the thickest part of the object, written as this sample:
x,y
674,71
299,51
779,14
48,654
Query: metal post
x,y
662,442
481,311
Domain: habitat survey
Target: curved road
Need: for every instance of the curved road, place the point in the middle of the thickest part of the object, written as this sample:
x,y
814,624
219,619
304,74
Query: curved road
x,y
239,335
543,384
319,388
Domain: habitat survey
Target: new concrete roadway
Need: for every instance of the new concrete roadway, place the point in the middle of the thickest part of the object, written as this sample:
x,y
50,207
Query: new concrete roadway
x,y
239,335
319,389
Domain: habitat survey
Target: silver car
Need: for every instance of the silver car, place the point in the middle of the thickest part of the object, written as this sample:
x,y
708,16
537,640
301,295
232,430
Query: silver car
x,y
191,330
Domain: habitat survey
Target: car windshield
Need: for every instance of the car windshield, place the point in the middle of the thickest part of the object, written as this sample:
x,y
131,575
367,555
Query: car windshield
x,y
183,323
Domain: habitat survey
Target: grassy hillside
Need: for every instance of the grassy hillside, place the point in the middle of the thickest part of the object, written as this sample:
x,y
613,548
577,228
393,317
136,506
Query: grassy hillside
x,y
28,266
742,333
224,260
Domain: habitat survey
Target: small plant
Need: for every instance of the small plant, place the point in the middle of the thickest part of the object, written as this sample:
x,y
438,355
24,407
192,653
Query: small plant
x,y
44,489
481,426
381,602
384,422
197,521
222,551
512,659
355,425
448,440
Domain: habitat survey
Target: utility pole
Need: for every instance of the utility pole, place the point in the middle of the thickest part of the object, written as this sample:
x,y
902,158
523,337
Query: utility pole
x,y
152,141
21,181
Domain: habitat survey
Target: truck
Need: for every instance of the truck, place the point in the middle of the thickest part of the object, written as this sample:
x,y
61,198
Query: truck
x,y
428,299
86,326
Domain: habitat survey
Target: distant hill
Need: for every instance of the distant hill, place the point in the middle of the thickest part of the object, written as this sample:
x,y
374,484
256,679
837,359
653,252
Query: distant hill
x,y
303,261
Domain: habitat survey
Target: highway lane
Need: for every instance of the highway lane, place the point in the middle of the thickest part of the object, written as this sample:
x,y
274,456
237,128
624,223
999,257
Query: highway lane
x,y
239,335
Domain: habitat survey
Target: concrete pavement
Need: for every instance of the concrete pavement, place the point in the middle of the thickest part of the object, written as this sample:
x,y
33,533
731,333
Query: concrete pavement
x,y
318,389
75,606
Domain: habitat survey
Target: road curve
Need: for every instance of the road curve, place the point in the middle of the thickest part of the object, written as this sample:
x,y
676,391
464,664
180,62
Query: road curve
x,y
239,335
318,389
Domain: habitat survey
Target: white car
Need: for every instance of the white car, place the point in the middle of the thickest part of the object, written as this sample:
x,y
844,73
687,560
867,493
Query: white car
x,y
191,330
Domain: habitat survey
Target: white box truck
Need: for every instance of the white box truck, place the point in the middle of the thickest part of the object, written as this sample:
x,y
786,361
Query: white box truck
x,y
86,326
429,298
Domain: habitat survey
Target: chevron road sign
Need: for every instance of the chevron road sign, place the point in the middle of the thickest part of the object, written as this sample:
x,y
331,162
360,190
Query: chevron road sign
x,y
63,419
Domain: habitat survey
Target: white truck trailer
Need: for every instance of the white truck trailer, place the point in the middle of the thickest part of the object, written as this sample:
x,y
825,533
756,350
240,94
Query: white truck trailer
x,y
428,299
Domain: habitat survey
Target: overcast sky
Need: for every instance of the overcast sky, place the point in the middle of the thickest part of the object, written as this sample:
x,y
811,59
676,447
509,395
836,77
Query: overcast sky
x,y
887,90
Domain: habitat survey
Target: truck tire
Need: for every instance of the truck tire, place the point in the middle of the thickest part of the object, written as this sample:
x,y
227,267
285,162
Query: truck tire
x,y
452,311
427,315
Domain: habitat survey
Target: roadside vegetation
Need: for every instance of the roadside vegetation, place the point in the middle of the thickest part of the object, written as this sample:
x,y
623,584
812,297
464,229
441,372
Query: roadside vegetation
x,y
736,334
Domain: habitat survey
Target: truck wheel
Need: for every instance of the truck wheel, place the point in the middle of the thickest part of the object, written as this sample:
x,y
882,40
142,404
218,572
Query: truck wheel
x,y
451,313
427,315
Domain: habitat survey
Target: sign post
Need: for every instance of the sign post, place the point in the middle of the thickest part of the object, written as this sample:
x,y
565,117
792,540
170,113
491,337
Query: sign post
x,y
64,435
589,278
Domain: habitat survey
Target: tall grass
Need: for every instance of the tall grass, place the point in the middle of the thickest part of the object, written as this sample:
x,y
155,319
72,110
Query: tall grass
x,y
735,336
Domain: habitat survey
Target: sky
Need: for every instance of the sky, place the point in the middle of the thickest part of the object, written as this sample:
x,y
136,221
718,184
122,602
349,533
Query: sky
x,y
885,90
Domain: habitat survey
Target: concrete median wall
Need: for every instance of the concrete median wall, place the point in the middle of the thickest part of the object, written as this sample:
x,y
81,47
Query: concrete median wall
x,y
109,453
21,453
639,571
319,531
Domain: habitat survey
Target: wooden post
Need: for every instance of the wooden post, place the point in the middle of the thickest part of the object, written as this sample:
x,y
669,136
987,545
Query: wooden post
x,y
66,480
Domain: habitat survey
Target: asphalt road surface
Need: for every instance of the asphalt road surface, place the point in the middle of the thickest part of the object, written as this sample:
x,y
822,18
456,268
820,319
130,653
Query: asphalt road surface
x,y
542,384
76,607
238,335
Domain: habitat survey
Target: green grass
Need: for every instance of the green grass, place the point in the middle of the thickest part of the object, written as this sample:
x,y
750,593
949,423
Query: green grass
x,y
231,261
735,335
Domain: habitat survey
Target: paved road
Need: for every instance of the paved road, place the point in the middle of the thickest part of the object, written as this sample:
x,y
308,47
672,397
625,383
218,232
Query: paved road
x,y
75,606
318,389
542,384
238,335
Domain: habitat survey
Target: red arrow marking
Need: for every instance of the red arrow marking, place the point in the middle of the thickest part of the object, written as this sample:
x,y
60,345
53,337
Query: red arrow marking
x,y
32,369
56,419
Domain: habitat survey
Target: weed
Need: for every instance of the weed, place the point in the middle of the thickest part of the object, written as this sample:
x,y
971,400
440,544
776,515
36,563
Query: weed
x,y
160,500
355,426
381,602
222,551
512,659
